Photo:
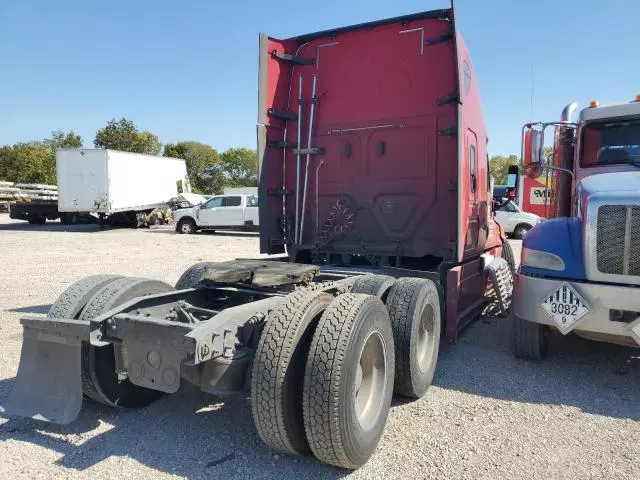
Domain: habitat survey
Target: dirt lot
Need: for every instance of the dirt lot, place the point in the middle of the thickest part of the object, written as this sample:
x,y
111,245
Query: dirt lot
x,y
488,415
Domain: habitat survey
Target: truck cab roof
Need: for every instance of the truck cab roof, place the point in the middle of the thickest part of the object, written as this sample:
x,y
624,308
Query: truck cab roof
x,y
610,111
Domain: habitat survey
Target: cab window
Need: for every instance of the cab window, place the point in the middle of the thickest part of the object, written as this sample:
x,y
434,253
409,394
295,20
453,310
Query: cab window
x,y
215,202
231,201
508,207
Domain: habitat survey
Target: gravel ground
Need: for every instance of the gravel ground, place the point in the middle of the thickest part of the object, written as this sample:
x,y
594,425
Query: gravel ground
x,y
575,416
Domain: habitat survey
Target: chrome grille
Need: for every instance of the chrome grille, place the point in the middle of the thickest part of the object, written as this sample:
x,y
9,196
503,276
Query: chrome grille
x,y
634,242
618,239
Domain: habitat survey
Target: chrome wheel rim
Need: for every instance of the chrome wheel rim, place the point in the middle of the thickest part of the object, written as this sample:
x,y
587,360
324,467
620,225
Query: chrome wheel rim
x,y
186,228
370,380
426,338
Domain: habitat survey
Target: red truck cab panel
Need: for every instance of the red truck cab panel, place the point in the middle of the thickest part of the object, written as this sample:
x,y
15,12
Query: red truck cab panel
x,y
397,119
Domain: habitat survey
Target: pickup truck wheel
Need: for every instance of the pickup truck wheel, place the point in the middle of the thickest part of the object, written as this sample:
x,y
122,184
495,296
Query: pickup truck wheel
x,y
348,382
187,226
100,381
521,231
414,309
278,371
192,276
376,285
530,340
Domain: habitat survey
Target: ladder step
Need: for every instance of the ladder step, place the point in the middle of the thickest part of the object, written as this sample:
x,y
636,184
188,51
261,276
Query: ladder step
x,y
448,132
279,192
285,57
308,151
445,37
282,115
281,144
453,97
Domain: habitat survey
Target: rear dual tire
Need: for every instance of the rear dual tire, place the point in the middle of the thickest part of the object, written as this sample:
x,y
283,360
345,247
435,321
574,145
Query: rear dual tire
x,y
348,381
414,310
279,371
322,377
87,299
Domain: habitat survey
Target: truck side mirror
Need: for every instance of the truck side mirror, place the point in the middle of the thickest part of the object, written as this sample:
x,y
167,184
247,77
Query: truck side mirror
x,y
532,158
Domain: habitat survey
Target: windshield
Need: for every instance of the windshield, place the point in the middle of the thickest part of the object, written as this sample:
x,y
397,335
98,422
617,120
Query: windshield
x,y
508,207
611,143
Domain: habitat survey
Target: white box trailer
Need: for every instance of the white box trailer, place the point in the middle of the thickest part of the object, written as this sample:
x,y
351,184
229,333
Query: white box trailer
x,y
109,181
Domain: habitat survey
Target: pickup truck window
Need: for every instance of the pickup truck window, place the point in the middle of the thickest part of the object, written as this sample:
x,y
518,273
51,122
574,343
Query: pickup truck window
x,y
252,201
508,207
231,201
215,202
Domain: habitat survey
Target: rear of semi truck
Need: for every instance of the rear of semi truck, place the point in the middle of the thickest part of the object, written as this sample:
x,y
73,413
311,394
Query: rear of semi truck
x,y
371,142
373,176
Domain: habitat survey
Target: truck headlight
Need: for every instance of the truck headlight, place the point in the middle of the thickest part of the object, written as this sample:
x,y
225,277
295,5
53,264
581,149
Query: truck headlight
x,y
539,259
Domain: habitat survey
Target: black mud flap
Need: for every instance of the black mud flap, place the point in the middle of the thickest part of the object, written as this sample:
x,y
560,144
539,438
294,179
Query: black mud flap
x,y
48,384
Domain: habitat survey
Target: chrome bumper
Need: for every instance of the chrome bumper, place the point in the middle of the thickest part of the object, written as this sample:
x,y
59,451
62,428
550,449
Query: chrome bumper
x,y
530,292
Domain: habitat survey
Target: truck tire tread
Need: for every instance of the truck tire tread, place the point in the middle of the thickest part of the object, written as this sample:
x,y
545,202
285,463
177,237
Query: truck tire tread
x,y
99,379
507,254
71,302
407,299
376,285
330,357
192,276
530,340
278,371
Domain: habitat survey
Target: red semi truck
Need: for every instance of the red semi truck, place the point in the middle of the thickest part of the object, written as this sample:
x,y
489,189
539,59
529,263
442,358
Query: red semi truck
x,y
374,180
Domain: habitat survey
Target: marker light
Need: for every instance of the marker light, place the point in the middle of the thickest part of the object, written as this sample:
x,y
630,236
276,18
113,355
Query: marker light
x,y
594,103
638,97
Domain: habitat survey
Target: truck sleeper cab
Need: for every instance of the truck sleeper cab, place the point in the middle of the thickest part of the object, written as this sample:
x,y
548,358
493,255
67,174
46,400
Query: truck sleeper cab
x,y
581,273
383,208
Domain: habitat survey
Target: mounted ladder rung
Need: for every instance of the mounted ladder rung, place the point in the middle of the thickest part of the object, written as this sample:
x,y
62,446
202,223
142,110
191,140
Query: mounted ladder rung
x,y
445,37
272,112
281,144
308,151
286,57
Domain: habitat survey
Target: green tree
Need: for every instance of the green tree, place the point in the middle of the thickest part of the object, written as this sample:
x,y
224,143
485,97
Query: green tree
x,y
32,162
35,162
124,135
59,139
499,165
202,165
240,167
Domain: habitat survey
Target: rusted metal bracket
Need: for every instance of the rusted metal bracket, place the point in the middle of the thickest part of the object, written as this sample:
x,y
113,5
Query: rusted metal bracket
x,y
281,144
282,115
453,97
295,59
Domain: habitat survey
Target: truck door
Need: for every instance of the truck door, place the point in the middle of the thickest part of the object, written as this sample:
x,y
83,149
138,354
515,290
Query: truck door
x,y
473,187
208,214
231,213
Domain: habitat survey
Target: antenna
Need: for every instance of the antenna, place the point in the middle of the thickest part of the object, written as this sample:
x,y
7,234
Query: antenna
x,y
531,104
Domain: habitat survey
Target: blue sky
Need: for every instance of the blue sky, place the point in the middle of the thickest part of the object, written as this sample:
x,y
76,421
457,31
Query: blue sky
x,y
188,69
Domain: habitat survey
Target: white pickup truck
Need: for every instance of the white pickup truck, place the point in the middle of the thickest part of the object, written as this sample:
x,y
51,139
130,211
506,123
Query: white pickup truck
x,y
220,212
